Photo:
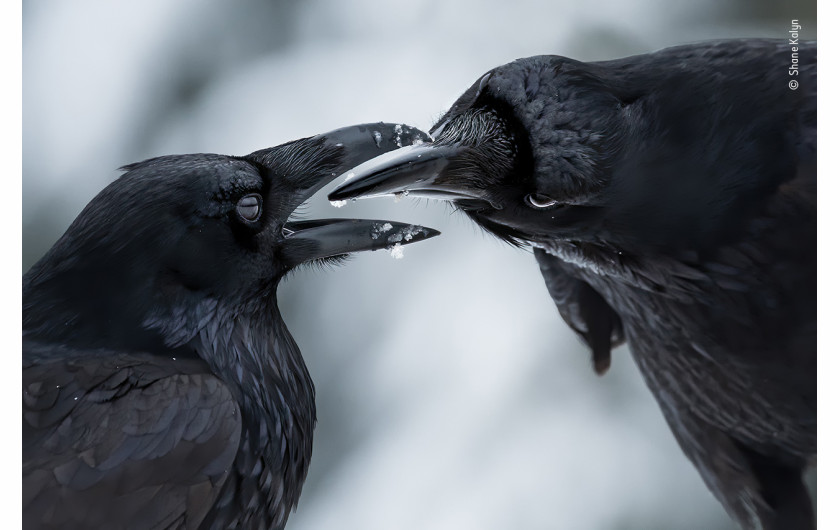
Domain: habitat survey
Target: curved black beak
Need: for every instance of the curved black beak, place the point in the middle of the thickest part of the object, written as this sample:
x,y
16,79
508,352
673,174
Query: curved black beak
x,y
452,167
358,143
323,238
418,169
332,237
368,140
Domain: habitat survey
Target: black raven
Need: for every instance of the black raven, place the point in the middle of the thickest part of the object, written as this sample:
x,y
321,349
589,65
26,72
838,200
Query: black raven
x,y
670,200
161,388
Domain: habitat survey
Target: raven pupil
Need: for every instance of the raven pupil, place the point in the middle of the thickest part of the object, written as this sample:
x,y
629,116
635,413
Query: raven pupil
x,y
248,207
539,201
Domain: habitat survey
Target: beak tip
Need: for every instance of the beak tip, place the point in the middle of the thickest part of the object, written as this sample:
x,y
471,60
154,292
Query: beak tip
x,y
354,186
339,194
422,233
407,135
408,233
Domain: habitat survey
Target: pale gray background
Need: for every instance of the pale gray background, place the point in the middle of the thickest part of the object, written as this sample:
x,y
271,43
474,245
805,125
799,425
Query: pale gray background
x,y
450,393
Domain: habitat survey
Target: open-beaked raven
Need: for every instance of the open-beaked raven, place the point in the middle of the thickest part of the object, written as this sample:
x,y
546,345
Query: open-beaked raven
x,y
670,199
161,388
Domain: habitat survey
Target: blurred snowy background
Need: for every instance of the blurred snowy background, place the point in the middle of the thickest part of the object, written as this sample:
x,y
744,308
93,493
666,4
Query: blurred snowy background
x,y
450,393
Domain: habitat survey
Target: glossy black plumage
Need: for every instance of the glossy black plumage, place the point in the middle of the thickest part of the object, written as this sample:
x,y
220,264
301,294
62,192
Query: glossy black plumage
x,y
670,200
161,388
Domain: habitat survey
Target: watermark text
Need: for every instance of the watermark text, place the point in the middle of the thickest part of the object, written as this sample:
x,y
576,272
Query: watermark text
x,y
793,41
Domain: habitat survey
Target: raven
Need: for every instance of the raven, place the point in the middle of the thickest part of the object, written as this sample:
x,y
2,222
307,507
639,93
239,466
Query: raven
x,y
670,200
161,388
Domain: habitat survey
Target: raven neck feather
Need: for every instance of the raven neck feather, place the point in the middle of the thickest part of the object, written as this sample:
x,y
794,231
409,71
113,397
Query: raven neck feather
x,y
665,275
249,348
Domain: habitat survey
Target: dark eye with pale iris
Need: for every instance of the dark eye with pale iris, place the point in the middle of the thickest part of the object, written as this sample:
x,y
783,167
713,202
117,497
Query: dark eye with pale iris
x,y
249,207
540,201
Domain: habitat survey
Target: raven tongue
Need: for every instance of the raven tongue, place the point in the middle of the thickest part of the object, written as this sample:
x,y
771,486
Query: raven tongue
x,y
332,237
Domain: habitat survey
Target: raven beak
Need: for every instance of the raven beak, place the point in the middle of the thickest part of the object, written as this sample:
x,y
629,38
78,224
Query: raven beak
x,y
417,169
323,238
358,143
365,141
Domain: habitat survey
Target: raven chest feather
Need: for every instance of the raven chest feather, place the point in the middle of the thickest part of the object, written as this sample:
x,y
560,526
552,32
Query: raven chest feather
x,y
726,342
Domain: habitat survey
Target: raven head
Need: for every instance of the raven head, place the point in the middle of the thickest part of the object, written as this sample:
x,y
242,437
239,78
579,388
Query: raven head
x,y
611,154
525,152
176,233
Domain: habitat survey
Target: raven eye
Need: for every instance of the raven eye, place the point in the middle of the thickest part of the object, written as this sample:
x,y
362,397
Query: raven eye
x,y
249,207
539,201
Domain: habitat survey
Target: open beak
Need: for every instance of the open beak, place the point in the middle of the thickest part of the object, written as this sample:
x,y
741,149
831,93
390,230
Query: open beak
x,y
332,237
